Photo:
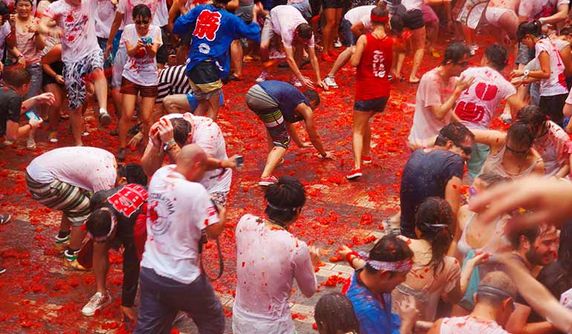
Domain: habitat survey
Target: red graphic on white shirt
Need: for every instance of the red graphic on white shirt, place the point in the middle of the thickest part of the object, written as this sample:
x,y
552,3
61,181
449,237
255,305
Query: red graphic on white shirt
x,y
153,215
128,199
486,92
474,112
207,25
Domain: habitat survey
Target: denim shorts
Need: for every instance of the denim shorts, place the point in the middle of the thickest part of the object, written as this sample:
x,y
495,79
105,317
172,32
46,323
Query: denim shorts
x,y
375,105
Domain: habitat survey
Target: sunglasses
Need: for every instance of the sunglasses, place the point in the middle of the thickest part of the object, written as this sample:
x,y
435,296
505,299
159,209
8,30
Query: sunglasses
x,y
142,22
517,152
463,63
466,149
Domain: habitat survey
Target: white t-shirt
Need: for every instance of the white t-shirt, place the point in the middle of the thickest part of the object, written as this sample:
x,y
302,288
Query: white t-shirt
x,y
285,19
177,212
535,9
477,105
470,325
207,134
4,32
432,91
78,24
566,299
161,17
89,168
412,4
268,261
104,18
125,7
360,14
141,70
556,84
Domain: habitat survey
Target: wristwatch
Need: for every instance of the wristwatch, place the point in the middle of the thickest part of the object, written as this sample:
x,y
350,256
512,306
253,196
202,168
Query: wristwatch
x,y
169,145
525,74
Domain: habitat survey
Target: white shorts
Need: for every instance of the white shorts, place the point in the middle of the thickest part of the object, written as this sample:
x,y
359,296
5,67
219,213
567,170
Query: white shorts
x,y
493,15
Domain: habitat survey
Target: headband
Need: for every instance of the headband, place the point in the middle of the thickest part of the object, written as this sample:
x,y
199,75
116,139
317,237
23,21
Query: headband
x,y
397,266
379,19
113,224
491,290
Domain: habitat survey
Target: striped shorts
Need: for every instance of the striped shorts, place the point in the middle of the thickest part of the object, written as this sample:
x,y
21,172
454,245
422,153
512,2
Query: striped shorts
x,y
172,80
71,200
269,112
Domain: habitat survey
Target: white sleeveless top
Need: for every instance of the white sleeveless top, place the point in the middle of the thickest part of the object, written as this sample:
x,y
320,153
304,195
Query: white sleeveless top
x,y
470,325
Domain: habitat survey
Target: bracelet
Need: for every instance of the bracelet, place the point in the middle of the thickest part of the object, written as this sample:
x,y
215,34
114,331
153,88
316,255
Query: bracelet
x,y
348,256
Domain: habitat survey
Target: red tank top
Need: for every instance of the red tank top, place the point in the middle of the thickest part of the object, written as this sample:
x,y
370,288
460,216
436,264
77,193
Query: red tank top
x,y
372,72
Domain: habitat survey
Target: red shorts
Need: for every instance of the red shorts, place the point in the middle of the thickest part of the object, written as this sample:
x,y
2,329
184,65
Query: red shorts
x,y
131,88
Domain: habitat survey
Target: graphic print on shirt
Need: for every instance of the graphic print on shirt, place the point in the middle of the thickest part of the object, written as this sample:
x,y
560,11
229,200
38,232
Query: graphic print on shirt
x,y
377,64
159,209
207,25
474,112
74,27
128,199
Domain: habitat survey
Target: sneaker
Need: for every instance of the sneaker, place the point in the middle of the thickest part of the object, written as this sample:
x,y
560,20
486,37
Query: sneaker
x,y
2,270
121,154
70,256
337,44
331,82
296,82
354,174
62,237
74,265
5,218
96,302
104,118
31,144
53,137
262,77
366,160
266,181
85,133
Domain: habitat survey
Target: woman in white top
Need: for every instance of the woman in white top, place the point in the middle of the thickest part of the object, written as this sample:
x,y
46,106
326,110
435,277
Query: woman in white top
x,y
142,40
551,74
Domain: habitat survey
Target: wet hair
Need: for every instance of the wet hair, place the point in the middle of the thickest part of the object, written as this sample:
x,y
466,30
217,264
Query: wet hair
x,y
99,222
181,130
556,277
141,10
520,134
334,313
381,11
284,200
533,28
16,76
497,55
4,10
435,220
455,132
497,280
133,173
515,231
492,179
532,116
312,96
305,31
220,3
388,249
455,52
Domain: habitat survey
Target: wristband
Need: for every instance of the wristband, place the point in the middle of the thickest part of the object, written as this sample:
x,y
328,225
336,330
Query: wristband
x,y
348,256
169,145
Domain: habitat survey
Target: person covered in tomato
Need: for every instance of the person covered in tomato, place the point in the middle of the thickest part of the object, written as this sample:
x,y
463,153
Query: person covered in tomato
x,y
279,105
111,224
477,106
372,58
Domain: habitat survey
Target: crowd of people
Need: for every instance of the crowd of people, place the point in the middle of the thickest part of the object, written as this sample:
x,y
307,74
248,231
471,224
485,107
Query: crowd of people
x,y
494,259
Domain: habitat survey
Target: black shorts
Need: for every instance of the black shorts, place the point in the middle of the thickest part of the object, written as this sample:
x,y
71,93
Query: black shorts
x,y
375,105
58,67
552,106
413,19
333,4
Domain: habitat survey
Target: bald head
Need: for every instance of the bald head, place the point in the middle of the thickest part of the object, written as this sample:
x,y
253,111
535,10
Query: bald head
x,y
191,162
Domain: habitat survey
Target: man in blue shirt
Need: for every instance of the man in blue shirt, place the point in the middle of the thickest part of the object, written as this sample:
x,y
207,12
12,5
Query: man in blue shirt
x,y
213,30
279,105
370,288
